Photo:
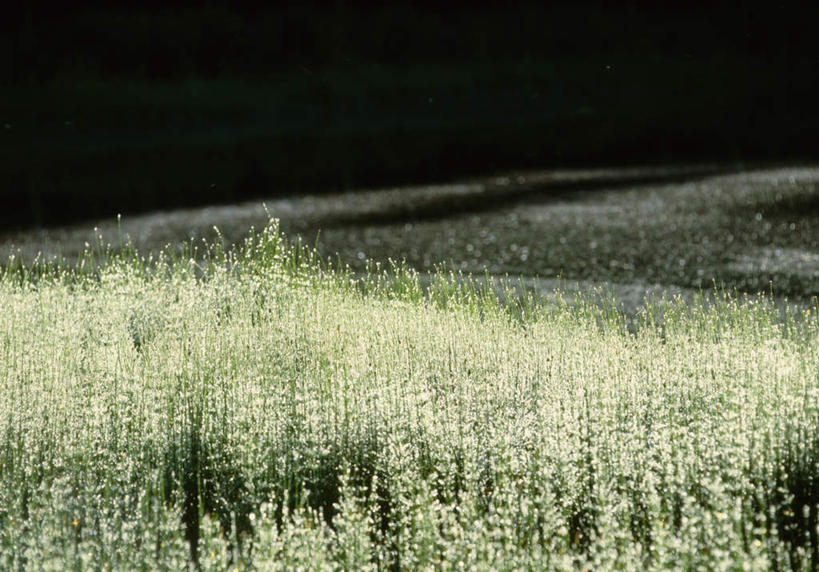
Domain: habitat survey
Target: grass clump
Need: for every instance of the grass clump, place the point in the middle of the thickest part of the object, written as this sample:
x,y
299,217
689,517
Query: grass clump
x,y
255,409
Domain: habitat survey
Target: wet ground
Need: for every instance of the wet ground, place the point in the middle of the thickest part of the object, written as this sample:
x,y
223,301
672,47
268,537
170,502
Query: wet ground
x,y
674,229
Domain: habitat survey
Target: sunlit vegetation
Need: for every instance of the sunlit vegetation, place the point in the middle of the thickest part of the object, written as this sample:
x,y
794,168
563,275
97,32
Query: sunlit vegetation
x,y
259,409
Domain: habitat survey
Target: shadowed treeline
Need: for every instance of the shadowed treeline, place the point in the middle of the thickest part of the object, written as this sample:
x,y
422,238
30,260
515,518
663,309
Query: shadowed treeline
x,y
139,106
152,39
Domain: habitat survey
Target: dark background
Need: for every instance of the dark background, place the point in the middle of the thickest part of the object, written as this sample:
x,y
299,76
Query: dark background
x,y
119,108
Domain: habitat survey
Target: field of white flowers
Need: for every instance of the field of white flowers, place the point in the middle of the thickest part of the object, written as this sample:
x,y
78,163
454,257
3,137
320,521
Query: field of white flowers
x,y
258,410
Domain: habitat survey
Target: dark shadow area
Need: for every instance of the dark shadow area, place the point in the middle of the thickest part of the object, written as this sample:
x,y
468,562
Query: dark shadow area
x,y
133,107
804,205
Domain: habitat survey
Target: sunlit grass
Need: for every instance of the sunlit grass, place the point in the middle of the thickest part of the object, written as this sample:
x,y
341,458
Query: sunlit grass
x,y
258,409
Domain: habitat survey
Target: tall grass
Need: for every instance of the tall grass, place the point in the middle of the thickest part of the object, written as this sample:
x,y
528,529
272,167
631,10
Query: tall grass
x,y
259,410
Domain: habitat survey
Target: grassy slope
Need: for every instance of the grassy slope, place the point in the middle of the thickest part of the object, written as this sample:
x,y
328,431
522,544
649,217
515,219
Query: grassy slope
x,y
262,412
638,229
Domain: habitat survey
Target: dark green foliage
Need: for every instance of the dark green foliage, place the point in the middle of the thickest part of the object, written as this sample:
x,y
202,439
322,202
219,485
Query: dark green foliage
x,y
787,498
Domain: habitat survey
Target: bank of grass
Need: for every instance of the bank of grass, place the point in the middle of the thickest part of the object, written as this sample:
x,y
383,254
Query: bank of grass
x,y
259,410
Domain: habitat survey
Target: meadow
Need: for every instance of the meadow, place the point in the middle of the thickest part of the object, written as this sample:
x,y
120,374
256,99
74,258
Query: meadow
x,y
258,408
638,230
